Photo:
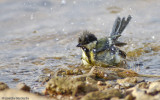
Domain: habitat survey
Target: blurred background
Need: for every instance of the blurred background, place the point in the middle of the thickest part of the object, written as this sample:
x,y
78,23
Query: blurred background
x,y
39,35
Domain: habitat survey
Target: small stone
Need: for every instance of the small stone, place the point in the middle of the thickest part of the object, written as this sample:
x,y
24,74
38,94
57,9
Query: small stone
x,y
35,31
110,84
43,79
127,85
147,67
142,85
140,94
90,80
16,79
114,98
101,83
23,86
77,71
147,50
59,97
3,86
129,97
44,92
154,88
117,87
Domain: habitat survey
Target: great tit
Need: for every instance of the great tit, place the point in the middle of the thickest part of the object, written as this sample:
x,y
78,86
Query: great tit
x,y
104,51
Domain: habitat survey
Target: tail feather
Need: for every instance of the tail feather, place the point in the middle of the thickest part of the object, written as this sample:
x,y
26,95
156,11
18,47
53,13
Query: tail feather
x,y
124,24
119,26
116,26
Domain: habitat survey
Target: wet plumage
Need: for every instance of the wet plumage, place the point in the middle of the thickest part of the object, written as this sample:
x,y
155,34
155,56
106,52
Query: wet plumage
x,y
104,51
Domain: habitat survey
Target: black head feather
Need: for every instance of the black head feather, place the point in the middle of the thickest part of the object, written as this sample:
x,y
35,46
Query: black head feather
x,y
86,38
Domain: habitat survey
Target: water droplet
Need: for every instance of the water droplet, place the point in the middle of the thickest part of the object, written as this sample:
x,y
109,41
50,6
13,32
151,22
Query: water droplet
x,y
51,9
45,3
94,50
31,17
57,39
112,49
130,8
63,2
99,19
82,23
105,75
72,23
74,2
112,53
37,44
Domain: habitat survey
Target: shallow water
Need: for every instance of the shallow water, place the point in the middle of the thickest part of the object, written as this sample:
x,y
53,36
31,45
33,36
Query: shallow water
x,y
38,34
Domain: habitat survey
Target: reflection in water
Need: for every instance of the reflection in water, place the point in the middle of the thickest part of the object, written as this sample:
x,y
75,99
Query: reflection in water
x,y
43,34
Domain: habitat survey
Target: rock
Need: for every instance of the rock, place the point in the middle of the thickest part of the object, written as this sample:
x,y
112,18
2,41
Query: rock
x,y
127,73
127,85
3,86
15,79
43,78
23,86
129,81
77,71
117,87
129,97
140,94
105,73
154,88
59,97
67,85
101,83
143,85
110,84
132,80
67,72
101,95
90,80
115,98
44,92
147,67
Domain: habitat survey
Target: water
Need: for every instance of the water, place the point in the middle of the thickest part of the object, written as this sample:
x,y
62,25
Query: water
x,y
38,34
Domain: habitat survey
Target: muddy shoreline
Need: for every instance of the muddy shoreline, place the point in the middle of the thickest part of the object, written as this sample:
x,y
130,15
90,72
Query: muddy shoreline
x,y
93,83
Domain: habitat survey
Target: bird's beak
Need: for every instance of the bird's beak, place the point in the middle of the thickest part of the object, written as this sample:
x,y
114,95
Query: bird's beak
x,y
79,45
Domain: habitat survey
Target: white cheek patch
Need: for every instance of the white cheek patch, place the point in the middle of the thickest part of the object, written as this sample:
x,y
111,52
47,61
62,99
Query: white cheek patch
x,y
91,45
110,41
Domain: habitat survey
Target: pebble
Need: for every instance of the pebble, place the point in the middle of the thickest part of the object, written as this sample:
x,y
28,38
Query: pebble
x,y
23,86
101,83
3,86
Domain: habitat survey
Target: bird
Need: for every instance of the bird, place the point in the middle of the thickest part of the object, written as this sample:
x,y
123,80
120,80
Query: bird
x,y
105,51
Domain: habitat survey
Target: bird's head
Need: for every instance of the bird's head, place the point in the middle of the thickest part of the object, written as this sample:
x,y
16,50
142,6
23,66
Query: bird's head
x,y
87,40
